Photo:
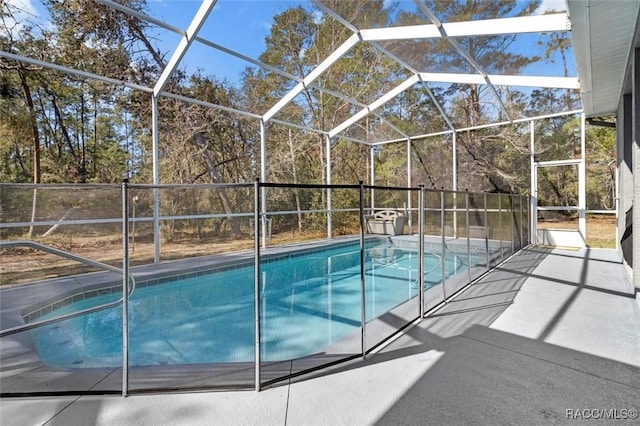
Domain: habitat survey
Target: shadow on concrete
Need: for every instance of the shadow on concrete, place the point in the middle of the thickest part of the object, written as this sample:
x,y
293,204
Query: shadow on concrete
x,y
492,377
488,376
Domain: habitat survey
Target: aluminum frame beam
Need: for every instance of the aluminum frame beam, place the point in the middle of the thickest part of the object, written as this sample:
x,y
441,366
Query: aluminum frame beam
x,y
313,75
533,182
557,163
208,104
503,80
554,82
132,12
433,98
391,55
352,139
486,27
72,71
465,54
358,103
439,106
375,104
582,178
516,121
198,20
483,126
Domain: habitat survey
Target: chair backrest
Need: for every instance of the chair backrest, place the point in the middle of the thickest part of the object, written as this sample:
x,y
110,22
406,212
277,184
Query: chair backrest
x,y
387,214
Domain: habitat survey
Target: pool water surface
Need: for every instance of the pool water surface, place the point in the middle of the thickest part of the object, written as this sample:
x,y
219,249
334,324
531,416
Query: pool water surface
x,y
308,302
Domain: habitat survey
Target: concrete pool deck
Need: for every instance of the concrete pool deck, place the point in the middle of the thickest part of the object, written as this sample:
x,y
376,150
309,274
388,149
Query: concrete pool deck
x,y
548,337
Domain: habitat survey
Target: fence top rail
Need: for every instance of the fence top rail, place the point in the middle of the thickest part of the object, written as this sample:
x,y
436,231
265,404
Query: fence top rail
x,y
189,185
394,188
113,186
460,192
307,185
59,186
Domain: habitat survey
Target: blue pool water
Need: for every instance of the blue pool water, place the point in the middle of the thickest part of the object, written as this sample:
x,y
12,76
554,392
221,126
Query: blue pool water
x,y
308,302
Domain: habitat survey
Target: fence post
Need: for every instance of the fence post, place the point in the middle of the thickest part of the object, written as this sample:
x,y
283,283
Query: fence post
x,y
513,226
409,194
421,249
500,224
520,227
530,236
444,246
363,318
466,208
125,287
256,278
486,229
328,189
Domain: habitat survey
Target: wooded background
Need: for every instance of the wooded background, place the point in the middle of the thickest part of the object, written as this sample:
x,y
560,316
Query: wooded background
x,y
59,128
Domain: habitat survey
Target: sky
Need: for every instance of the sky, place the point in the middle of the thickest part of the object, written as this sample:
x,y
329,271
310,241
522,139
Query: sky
x,y
242,25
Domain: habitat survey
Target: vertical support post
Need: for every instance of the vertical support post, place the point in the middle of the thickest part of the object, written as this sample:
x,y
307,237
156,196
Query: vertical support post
x,y
454,161
486,229
466,208
624,172
263,178
363,317
534,184
256,278
617,207
372,155
444,245
125,287
529,219
410,214
156,178
635,169
421,301
582,181
329,206
455,183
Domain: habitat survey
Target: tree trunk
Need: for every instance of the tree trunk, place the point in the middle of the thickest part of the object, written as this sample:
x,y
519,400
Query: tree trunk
x,y
36,145
295,181
34,126
60,222
83,149
63,128
423,164
215,178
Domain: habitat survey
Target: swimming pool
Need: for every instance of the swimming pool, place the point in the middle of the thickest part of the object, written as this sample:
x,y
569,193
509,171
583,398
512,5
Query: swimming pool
x,y
309,301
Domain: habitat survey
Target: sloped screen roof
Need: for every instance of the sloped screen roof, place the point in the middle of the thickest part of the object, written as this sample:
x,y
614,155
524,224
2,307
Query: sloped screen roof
x,y
368,63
